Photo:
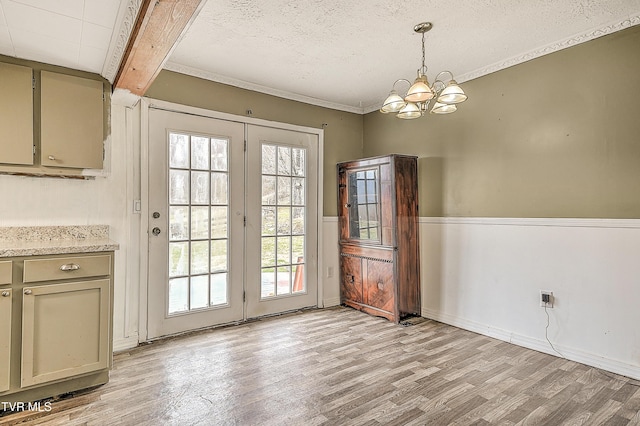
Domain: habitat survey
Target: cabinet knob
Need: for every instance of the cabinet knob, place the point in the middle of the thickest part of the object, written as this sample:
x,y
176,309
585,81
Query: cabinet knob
x,y
52,158
348,205
70,267
6,294
352,279
27,292
380,285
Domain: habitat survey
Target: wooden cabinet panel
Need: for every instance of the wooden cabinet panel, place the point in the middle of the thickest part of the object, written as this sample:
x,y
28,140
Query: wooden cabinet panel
x,y
378,222
351,286
16,114
379,285
5,337
71,121
65,330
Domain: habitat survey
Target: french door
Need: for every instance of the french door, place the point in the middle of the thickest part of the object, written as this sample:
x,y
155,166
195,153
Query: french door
x,y
232,224
282,249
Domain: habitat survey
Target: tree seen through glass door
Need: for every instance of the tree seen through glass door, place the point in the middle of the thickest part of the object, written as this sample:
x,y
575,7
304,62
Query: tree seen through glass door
x,y
283,220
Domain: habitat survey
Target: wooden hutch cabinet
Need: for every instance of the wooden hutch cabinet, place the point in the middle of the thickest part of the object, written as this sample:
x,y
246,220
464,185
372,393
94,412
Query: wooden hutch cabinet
x,y
378,225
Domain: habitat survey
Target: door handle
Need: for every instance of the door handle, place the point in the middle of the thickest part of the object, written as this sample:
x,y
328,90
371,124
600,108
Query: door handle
x,y
156,215
155,231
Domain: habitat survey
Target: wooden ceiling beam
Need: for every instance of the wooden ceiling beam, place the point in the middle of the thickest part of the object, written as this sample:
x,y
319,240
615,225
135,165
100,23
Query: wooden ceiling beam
x,y
158,27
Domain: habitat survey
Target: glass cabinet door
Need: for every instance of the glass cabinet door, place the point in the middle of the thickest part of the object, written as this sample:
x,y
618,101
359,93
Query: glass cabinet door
x,y
363,204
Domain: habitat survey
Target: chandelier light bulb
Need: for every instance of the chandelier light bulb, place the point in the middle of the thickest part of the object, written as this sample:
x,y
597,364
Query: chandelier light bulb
x,y
410,111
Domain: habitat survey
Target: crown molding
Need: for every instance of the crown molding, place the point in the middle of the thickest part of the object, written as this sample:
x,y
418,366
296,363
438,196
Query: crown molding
x,y
553,47
127,14
206,75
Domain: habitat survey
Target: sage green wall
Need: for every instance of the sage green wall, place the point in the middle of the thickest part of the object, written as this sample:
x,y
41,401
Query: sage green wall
x,y
342,134
558,136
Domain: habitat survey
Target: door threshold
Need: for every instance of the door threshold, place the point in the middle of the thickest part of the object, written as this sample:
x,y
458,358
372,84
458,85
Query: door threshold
x,y
225,325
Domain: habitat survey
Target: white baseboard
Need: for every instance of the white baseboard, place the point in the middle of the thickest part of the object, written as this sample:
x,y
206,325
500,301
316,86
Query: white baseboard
x,y
582,357
334,301
125,343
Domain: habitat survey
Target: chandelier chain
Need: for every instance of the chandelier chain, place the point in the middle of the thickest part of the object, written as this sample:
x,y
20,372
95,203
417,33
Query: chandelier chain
x,y
423,57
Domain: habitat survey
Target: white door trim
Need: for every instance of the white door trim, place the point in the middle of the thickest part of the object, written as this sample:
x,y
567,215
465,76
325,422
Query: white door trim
x,y
146,104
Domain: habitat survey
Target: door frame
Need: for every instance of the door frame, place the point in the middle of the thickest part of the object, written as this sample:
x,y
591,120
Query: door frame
x,y
148,103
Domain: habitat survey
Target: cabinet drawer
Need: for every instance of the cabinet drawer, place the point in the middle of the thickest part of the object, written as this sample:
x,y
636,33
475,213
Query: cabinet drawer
x,y
5,272
61,268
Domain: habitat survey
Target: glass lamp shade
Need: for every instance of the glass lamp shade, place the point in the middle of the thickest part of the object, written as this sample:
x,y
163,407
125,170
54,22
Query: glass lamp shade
x,y
452,94
420,91
393,103
440,108
410,111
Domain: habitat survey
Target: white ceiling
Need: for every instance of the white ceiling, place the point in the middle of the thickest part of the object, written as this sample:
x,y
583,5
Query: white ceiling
x,y
71,33
343,54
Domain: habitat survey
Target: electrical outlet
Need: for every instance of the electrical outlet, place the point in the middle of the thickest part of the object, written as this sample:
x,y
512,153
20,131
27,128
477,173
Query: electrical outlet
x,y
546,296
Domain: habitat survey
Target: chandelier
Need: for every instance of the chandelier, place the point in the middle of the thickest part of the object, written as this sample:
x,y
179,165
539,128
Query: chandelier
x,y
444,92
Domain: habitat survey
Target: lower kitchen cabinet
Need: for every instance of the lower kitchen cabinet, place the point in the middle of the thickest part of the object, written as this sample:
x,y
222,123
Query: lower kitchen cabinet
x,y
65,330
5,337
55,325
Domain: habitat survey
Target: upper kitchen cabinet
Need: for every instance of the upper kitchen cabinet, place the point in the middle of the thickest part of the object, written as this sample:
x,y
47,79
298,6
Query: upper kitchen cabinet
x,y
53,120
71,121
16,114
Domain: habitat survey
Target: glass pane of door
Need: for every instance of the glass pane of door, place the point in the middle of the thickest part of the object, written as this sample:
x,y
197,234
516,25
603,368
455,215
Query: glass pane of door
x,y
283,220
363,205
198,222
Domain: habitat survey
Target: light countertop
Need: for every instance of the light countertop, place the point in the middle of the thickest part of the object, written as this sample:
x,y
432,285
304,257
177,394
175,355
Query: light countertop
x,y
44,240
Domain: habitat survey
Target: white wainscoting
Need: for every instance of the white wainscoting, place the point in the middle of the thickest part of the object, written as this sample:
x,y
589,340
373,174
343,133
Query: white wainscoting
x,y
485,275
330,262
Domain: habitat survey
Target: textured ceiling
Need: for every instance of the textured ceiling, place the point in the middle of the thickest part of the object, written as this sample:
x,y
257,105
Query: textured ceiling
x,y
343,54
347,54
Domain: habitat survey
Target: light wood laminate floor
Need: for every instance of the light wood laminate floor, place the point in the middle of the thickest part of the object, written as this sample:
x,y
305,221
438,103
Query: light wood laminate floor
x,y
342,367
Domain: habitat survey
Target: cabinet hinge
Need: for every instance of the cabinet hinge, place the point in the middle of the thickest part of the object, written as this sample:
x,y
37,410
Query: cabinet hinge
x,y
33,83
244,296
34,150
245,145
245,221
